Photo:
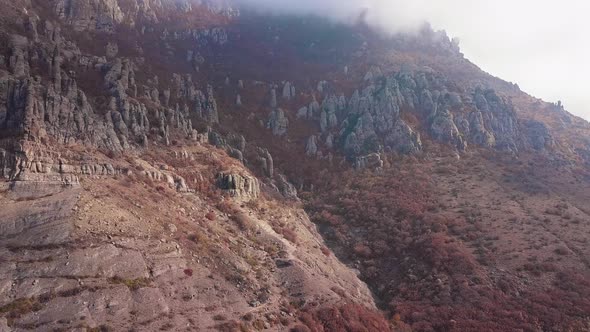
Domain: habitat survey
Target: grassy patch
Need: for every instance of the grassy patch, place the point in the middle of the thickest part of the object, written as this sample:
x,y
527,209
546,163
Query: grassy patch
x,y
132,284
19,308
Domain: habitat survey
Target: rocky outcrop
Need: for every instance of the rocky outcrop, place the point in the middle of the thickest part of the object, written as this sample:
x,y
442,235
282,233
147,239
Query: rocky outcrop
x,y
303,113
372,161
53,106
311,148
538,135
286,188
34,164
278,122
322,86
237,185
475,127
374,121
444,129
112,50
499,120
402,139
288,90
329,143
35,111
373,73
101,15
273,98
328,113
266,162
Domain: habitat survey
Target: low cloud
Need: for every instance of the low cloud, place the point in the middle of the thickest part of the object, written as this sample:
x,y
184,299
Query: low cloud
x,y
389,15
541,45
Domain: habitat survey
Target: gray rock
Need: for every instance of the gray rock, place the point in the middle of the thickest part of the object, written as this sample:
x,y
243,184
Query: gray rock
x,y
322,85
269,164
112,50
443,128
273,98
313,109
478,131
278,122
427,104
240,186
288,91
311,147
499,119
302,113
329,141
85,15
286,188
373,73
538,135
328,117
18,63
403,139
210,112
372,161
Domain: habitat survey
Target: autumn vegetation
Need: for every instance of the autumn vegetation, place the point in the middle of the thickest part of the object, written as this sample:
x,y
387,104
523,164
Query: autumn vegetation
x,y
417,257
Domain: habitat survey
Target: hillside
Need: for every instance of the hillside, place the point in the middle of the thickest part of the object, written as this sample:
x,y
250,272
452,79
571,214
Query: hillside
x,y
189,165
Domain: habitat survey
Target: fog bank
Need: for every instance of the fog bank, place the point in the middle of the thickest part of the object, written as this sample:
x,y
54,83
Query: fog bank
x,y
541,45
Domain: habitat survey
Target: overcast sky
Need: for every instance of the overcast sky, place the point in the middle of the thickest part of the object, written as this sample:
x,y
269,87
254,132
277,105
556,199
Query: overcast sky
x,y
543,45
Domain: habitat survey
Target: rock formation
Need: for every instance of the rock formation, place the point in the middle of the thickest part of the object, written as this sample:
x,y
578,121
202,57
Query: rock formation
x,y
278,122
311,148
241,186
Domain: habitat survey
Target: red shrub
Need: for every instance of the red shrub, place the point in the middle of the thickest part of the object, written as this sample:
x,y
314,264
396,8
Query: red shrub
x,y
350,317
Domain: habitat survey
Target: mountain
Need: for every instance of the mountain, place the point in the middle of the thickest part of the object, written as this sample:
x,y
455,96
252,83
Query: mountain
x,y
193,165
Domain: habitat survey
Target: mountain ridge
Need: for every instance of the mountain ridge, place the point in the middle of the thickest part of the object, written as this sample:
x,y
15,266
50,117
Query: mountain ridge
x,y
186,147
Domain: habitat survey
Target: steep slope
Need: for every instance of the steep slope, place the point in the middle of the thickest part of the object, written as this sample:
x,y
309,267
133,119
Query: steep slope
x,y
161,158
117,214
127,248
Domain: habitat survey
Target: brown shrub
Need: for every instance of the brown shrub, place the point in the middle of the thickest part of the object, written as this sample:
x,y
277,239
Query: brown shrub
x,y
244,221
325,251
362,250
562,251
350,317
289,234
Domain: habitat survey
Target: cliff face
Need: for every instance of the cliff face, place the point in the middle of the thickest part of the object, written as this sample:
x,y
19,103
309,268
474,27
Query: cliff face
x,y
160,158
